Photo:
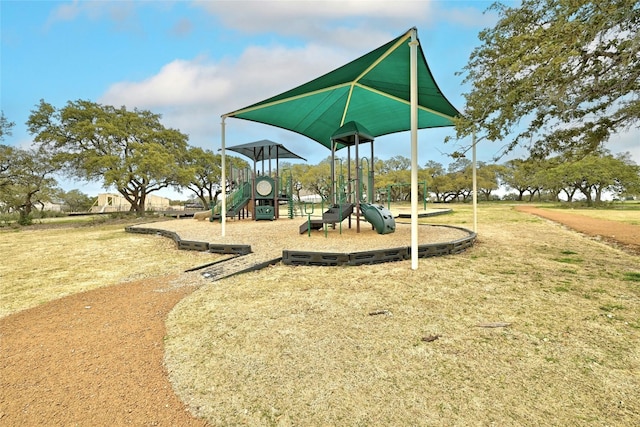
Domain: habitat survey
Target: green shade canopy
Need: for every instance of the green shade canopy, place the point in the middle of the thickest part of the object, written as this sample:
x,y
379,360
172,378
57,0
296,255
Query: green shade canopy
x,y
388,90
346,135
265,150
373,90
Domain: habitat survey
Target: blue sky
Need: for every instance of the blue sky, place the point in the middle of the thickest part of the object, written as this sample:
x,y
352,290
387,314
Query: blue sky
x,y
193,61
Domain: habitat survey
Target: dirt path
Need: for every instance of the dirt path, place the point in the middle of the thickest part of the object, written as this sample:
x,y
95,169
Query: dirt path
x,y
618,233
94,358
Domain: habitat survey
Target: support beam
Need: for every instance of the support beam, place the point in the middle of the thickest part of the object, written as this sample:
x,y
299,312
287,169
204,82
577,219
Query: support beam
x,y
223,180
414,147
358,184
475,184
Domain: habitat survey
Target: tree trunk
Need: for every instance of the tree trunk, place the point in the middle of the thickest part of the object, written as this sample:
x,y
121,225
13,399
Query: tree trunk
x,y
598,194
587,194
140,205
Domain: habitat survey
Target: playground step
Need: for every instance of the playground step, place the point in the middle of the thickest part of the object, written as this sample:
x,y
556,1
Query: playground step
x,y
337,213
240,264
313,224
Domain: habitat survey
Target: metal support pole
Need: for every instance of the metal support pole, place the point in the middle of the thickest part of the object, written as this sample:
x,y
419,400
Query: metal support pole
x,y
333,172
475,184
414,148
223,181
372,183
358,173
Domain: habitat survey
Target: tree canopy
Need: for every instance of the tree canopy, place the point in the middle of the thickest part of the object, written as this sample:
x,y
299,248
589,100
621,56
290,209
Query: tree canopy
x,y
204,178
26,179
129,150
5,126
560,76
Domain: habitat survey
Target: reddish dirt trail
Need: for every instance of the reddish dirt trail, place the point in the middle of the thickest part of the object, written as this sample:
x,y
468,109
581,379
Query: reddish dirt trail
x,y
91,359
625,235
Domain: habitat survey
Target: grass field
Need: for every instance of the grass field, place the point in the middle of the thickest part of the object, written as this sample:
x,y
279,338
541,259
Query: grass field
x,y
304,345
39,265
299,346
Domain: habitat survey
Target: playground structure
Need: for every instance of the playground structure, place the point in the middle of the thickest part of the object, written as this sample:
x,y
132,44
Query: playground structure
x,y
348,196
391,88
258,195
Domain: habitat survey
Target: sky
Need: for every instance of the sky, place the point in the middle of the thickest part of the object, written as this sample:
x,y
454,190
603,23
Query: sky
x,y
193,61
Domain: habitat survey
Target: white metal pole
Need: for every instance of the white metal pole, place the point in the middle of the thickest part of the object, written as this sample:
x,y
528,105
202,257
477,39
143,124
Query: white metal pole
x,y
358,184
475,185
333,172
414,148
223,182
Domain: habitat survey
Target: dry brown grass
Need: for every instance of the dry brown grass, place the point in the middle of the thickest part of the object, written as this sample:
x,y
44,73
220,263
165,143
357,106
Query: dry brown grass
x,y
40,265
298,346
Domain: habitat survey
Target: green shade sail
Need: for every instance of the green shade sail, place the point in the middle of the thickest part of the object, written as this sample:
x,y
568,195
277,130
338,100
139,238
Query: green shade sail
x,y
346,135
373,90
265,150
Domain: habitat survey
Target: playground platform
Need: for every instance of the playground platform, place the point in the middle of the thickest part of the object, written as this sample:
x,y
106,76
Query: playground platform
x,y
250,245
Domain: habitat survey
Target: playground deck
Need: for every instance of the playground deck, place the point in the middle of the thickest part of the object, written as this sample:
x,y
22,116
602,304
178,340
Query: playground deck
x,y
269,242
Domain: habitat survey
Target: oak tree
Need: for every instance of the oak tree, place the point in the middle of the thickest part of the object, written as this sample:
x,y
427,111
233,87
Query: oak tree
x,y
558,76
128,150
203,173
26,180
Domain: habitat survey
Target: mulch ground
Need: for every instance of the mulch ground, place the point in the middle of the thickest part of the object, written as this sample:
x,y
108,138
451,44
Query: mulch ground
x,y
96,358
92,359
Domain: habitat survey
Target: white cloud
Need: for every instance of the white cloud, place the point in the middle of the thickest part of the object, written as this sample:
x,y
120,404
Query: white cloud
x,y
64,12
258,73
192,94
177,84
626,141
355,24
305,17
122,14
468,17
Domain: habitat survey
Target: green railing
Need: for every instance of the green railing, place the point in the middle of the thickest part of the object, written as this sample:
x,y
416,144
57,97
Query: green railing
x,y
234,201
285,183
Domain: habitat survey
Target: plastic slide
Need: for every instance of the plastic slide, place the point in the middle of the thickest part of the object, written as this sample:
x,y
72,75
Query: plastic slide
x,y
380,217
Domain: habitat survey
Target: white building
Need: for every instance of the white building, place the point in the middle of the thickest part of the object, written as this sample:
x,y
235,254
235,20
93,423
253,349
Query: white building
x,y
113,202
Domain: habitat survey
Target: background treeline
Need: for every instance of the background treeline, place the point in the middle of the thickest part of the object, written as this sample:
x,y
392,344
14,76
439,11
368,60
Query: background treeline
x,y
134,153
554,179
567,82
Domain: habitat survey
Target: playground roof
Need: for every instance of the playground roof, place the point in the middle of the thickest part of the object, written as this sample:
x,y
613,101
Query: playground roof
x,y
264,150
346,135
373,90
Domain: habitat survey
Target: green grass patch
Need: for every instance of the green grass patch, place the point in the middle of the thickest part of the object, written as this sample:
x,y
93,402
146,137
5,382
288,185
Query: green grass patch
x,y
611,307
632,276
567,260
